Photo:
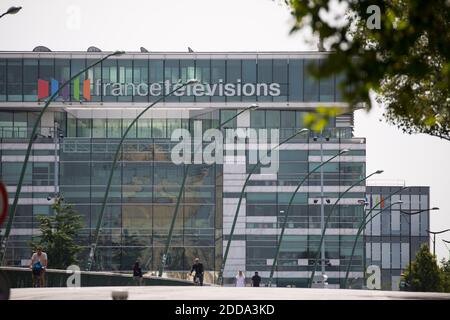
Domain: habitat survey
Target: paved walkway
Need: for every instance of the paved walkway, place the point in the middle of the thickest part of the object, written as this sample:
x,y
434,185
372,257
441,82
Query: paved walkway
x,y
215,293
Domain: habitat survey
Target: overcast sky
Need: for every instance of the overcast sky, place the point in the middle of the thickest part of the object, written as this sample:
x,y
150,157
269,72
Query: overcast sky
x,y
217,25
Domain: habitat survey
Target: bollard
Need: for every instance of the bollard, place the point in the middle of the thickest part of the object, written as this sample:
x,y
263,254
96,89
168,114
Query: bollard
x,y
119,295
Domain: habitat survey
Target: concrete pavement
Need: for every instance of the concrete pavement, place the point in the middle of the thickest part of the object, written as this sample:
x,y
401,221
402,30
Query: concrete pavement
x,y
215,293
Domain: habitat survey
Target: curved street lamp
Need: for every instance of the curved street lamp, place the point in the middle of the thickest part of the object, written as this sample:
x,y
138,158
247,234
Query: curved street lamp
x,y
11,10
322,237
360,229
410,214
116,157
363,222
30,143
180,193
283,228
434,233
257,165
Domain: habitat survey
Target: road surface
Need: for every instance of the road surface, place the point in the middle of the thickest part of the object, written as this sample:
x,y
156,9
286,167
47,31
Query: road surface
x,y
215,293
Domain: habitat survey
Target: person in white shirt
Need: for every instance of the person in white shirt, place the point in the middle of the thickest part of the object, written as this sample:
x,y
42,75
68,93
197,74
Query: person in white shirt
x,y
240,279
41,257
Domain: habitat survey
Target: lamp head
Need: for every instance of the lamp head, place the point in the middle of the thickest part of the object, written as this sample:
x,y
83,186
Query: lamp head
x,y
434,208
253,106
13,10
191,82
379,171
344,151
118,53
398,202
303,130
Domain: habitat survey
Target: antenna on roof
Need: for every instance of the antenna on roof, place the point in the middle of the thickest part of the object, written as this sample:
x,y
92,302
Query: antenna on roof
x,y
93,49
41,49
190,50
144,50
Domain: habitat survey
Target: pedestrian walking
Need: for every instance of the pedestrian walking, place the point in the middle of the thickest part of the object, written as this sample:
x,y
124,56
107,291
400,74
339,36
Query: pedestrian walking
x,y
240,279
137,273
256,280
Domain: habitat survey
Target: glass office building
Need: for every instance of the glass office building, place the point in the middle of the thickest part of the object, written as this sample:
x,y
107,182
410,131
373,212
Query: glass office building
x,y
394,237
79,133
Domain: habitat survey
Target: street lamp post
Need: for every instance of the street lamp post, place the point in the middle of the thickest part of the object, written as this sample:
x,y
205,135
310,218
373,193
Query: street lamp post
x,y
27,154
434,233
410,214
224,260
283,228
11,10
180,193
322,238
364,223
360,229
111,173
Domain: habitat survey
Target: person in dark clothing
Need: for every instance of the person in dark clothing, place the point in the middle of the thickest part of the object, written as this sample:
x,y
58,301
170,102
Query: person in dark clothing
x,y
198,268
256,280
137,273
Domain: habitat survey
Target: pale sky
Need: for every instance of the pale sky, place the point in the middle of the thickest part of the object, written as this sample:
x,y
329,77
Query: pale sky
x,y
217,25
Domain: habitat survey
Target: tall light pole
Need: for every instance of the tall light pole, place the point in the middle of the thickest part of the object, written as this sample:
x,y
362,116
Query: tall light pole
x,y
324,228
3,244
233,225
360,229
363,223
410,214
434,233
111,173
283,228
180,193
11,10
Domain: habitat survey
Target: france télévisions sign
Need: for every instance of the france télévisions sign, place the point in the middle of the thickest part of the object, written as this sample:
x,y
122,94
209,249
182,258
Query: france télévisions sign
x,y
83,91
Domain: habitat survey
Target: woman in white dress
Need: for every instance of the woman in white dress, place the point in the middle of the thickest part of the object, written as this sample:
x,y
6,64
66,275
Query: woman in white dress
x,y
240,279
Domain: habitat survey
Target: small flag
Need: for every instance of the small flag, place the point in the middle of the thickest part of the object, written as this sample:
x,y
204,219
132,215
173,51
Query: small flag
x,y
76,89
87,89
42,89
54,86
64,91
382,202
371,201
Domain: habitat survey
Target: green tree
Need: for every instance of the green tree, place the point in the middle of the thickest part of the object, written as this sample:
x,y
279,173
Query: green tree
x,y
58,235
445,268
397,49
425,275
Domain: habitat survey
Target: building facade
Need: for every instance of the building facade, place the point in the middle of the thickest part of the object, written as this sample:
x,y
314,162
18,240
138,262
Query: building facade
x,y
79,133
394,237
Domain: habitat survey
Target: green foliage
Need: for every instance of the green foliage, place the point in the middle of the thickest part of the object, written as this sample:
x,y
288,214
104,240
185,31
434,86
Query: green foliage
x,y
58,235
405,61
445,268
425,275
318,120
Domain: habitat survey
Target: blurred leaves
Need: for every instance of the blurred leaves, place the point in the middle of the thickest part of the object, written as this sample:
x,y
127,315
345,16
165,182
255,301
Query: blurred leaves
x,y
318,120
405,62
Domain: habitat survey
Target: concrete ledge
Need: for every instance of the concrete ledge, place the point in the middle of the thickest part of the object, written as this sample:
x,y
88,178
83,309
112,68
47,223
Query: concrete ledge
x,y
218,293
21,278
